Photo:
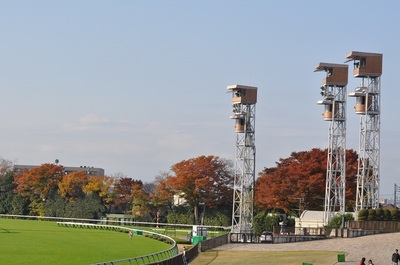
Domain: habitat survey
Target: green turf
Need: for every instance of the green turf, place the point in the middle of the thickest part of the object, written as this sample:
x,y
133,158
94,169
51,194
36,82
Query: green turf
x,y
45,243
213,257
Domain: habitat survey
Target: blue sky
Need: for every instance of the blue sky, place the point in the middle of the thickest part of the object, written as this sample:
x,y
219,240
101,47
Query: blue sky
x,y
136,86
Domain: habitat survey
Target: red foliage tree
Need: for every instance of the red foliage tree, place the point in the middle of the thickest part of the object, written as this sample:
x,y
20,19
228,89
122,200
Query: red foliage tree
x,y
298,182
203,181
123,194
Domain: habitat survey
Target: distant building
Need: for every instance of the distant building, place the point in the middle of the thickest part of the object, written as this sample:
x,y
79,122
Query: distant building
x,y
389,207
309,219
92,171
383,201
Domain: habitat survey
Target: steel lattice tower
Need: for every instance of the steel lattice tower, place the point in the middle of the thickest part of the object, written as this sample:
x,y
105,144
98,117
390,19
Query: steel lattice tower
x,y
334,95
368,67
244,99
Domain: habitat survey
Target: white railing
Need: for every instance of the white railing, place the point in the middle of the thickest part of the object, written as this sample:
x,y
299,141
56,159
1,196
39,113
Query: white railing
x,y
146,259
90,224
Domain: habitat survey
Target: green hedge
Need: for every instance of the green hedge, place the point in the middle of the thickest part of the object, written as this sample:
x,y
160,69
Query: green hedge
x,y
379,214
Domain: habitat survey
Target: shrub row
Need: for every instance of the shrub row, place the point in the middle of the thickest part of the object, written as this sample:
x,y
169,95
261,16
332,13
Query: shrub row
x,y
379,215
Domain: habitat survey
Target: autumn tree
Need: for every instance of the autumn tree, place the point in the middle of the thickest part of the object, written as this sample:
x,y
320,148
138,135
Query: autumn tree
x,y
80,196
100,186
38,184
298,182
143,209
161,196
123,188
163,193
351,179
71,186
205,181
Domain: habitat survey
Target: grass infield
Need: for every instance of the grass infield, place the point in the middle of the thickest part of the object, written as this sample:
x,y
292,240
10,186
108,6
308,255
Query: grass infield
x,y
43,242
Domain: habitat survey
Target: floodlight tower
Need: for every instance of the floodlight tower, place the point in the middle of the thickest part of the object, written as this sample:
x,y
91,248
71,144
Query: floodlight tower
x,y
244,100
368,67
334,95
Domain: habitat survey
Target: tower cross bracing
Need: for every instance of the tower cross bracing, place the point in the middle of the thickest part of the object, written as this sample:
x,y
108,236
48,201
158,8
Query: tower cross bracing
x,y
334,99
244,99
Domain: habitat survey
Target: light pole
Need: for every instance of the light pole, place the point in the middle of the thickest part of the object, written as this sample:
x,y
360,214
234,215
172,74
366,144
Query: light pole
x,y
334,94
244,99
368,67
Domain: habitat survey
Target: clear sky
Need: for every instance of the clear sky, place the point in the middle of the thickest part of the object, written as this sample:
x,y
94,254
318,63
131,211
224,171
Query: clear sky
x,y
136,86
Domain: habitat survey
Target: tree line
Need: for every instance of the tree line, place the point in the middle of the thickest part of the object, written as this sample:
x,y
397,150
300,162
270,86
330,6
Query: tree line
x,y
194,191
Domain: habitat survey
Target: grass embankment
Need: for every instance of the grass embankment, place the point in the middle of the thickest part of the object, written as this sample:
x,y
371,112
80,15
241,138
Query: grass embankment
x,y
43,242
265,257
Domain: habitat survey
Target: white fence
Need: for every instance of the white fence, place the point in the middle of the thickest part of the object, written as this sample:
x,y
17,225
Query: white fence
x,y
91,224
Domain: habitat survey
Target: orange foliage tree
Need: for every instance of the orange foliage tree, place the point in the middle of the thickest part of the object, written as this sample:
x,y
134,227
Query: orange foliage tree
x,y
100,186
203,181
70,186
142,207
48,190
38,184
298,182
162,196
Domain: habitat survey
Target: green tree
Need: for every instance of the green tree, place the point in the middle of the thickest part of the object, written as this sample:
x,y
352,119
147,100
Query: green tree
x,y
386,215
55,207
220,216
6,192
395,215
363,215
20,205
336,221
371,215
90,207
379,214
265,221
180,215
